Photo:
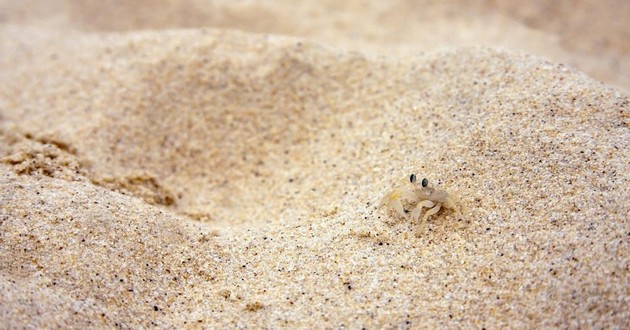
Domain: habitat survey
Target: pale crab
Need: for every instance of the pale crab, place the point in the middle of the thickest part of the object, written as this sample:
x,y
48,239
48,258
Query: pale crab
x,y
423,196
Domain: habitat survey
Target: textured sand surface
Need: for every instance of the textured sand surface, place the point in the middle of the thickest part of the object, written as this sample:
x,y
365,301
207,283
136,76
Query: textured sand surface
x,y
187,164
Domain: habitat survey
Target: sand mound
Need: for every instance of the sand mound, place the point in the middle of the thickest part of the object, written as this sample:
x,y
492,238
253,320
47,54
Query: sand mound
x,y
206,177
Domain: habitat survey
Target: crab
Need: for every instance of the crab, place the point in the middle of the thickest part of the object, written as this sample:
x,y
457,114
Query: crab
x,y
423,196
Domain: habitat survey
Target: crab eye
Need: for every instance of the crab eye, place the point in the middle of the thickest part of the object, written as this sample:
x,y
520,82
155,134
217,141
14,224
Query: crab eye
x,y
412,178
425,182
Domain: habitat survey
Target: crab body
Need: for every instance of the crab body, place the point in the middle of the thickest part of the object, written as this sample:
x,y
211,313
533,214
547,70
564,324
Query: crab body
x,y
423,196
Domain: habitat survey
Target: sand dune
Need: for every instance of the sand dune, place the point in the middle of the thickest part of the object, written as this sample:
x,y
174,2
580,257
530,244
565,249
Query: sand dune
x,y
184,164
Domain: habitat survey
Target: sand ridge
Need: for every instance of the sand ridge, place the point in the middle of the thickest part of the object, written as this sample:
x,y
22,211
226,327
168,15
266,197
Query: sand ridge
x,y
216,178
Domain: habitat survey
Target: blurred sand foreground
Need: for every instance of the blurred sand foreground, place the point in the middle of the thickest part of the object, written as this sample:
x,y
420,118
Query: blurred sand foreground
x,y
197,164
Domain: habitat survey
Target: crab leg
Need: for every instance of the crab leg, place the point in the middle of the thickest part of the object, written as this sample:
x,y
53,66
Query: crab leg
x,y
452,203
384,200
397,205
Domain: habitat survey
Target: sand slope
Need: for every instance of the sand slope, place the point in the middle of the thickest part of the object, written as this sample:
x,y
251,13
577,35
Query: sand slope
x,y
206,177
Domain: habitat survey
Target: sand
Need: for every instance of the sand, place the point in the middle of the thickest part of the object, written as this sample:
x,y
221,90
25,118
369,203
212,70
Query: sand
x,y
186,164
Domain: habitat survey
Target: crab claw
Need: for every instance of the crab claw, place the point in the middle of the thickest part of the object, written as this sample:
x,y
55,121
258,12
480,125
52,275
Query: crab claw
x,y
410,196
415,214
393,200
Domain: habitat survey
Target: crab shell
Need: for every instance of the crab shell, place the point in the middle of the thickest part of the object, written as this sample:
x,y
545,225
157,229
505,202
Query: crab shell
x,y
432,194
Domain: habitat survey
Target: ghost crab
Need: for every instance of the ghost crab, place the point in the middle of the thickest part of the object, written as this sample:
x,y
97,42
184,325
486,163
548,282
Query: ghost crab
x,y
423,196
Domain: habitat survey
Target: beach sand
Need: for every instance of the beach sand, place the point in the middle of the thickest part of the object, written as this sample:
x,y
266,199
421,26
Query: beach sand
x,y
186,164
